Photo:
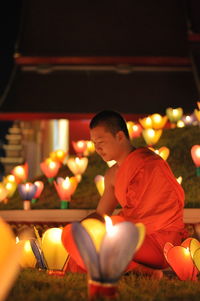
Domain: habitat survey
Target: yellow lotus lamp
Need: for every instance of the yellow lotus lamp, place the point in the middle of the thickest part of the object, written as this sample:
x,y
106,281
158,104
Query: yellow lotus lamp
x,y
55,254
180,124
174,115
99,181
21,173
77,166
9,259
146,122
58,155
3,193
195,154
65,188
198,104
197,114
158,121
50,168
151,136
27,259
130,125
163,152
179,180
90,148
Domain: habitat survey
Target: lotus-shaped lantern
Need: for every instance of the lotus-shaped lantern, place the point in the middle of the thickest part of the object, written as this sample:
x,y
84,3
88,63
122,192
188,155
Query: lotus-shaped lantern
x,y
80,147
90,148
151,136
105,250
197,114
184,258
58,155
50,168
195,153
146,122
27,259
65,188
163,152
27,192
129,125
40,187
188,119
77,166
99,181
21,173
174,115
3,193
158,121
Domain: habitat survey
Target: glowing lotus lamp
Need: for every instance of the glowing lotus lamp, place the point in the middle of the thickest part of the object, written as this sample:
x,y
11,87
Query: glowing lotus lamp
x,y
77,166
50,168
180,124
90,148
58,155
137,130
111,163
198,104
158,121
51,252
163,152
151,136
65,188
99,181
40,187
105,250
188,119
80,147
129,125
195,153
146,122
174,115
21,173
28,259
179,180
3,193
197,114
182,258
27,192
9,259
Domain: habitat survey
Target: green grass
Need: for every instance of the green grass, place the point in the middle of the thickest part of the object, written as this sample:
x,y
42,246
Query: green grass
x,y
34,285
178,140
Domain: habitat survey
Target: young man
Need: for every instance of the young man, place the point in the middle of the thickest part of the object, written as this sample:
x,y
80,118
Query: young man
x,y
145,187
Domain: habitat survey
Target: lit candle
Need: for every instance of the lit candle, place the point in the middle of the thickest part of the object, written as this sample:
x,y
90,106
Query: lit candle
x,y
90,148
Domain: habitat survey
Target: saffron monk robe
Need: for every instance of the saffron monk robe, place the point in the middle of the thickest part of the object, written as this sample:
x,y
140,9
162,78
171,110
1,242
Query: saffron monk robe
x,y
145,187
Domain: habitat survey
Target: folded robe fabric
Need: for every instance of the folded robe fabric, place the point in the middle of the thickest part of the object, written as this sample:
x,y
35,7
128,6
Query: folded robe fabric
x,y
149,193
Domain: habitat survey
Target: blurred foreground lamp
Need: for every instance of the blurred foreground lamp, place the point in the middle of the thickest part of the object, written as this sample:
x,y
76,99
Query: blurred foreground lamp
x,y
195,153
27,259
40,187
65,188
3,193
151,136
158,121
80,147
58,156
51,251
99,181
198,104
50,169
184,259
21,173
163,152
77,166
9,259
174,115
27,192
105,251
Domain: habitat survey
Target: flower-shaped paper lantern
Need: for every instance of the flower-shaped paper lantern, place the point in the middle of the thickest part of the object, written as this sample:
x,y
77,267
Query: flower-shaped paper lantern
x,y
174,115
105,251
21,173
77,166
99,181
188,119
179,180
197,114
9,259
137,130
80,147
27,259
163,152
111,163
50,168
3,193
180,258
52,254
146,122
198,104
129,125
195,153
158,121
65,188
27,192
180,124
151,136
58,155
40,187
90,148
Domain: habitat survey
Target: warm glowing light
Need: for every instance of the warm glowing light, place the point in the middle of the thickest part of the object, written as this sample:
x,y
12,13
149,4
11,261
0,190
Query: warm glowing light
x,y
180,124
110,229
65,188
111,163
146,122
198,104
77,165
58,155
158,121
90,148
50,168
179,180
28,259
20,173
151,136
174,114
195,153
96,230
99,181
3,193
163,152
197,114
80,147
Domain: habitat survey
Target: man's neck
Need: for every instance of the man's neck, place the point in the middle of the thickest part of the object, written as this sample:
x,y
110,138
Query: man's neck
x,y
126,152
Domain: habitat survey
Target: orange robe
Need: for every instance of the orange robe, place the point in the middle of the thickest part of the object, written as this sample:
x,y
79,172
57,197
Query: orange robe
x,y
150,194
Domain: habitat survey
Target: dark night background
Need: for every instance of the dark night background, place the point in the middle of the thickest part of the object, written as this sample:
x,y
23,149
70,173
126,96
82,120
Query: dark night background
x,y
163,34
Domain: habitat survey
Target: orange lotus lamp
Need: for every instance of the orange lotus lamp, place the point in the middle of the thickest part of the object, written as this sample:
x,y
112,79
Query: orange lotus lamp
x,y
50,168
198,104
90,148
197,114
195,153
99,181
163,152
151,136
137,130
58,155
180,258
77,166
65,188
174,115
21,173
146,122
27,259
105,250
3,193
158,121
129,125
40,187
80,147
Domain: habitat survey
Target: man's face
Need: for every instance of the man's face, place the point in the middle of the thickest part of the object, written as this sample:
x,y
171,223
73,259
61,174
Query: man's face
x,y
106,144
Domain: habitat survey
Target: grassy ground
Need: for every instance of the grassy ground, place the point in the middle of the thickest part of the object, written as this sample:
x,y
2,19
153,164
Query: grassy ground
x,y
34,285
178,140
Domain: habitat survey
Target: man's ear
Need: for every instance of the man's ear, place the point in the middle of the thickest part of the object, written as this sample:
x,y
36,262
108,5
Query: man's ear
x,y
120,135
